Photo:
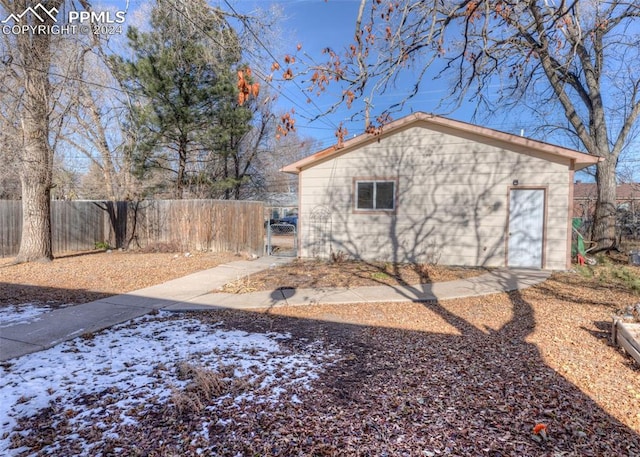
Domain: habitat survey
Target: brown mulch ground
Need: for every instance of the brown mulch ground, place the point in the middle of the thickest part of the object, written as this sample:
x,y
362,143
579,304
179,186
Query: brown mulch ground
x,y
92,275
461,377
302,273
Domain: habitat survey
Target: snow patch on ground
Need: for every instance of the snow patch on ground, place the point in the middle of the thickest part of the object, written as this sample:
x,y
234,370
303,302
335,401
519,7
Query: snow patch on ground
x,y
118,373
22,314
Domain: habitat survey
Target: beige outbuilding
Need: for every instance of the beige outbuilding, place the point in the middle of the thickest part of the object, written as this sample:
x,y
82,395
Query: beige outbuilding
x,y
431,189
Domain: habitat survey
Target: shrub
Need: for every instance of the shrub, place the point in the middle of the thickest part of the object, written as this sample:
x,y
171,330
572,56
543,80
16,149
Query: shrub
x,y
102,245
338,257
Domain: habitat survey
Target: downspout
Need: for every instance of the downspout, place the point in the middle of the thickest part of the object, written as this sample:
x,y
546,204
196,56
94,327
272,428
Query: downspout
x,y
300,219
572,167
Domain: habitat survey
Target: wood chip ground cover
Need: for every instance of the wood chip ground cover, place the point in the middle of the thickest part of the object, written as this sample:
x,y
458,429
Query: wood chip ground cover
x,y
94,392
460,377
87,276
301,274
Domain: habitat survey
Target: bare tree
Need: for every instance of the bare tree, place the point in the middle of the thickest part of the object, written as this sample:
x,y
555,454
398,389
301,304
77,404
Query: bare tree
x,y
580,58
10,130
66,180
575,55
95,124
30,64
283,151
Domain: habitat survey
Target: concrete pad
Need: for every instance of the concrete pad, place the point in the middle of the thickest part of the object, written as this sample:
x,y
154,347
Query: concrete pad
x,y
376,294
301,297
233,301
490,283
10,349
245,267
461,289
266,299
139,299
193,292
198,284
65,324
183,307
512,279
213,278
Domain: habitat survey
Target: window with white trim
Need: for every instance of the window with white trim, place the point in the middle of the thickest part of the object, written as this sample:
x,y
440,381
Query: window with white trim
x,y
375,195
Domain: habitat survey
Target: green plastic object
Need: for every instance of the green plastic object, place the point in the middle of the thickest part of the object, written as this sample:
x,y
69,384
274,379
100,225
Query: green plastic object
x,y
576,222
578,246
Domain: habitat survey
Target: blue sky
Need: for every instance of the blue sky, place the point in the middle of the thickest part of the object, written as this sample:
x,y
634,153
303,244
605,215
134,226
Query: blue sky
x,y
318,24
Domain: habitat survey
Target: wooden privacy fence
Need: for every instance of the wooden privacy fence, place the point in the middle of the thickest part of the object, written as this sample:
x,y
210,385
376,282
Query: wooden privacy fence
x,y
75,226
10,226
203,225
180,225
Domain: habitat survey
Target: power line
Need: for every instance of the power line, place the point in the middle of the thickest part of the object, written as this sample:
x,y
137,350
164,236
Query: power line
x,y
74,78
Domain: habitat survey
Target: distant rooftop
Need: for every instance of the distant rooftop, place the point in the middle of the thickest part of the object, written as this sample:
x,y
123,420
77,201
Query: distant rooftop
x,y
588,191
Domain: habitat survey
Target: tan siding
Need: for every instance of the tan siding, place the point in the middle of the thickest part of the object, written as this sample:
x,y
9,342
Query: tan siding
x,y
452,200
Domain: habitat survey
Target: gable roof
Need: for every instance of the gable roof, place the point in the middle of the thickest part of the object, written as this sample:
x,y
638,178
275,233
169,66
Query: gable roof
x,y
579,159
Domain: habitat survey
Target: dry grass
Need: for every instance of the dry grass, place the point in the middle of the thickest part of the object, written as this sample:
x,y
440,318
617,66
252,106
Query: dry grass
x,y
203,386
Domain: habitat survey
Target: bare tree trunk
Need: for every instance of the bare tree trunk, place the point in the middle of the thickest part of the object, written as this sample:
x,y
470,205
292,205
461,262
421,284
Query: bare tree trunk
x,y
227,191
35,244
604,228
36,176
182,167
36,169
117,212
238,178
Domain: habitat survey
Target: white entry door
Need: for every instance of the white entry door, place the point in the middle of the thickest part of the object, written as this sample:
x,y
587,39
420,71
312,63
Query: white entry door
x,y
526,227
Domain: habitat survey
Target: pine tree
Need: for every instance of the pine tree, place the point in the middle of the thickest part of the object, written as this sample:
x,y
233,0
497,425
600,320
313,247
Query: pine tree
x,y
182,74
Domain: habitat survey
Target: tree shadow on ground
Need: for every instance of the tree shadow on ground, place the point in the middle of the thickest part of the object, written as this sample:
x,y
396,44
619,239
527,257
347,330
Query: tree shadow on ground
x,y
464,391
471,390
447,386
17,294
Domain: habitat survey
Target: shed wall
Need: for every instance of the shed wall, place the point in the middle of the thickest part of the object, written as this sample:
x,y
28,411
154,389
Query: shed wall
x,y
452,201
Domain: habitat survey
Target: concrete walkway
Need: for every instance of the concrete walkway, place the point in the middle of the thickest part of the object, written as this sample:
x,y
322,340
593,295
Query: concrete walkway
x,y
193,292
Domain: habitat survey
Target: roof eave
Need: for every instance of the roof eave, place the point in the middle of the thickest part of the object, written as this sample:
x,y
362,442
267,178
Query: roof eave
x,y
585,162
578,159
